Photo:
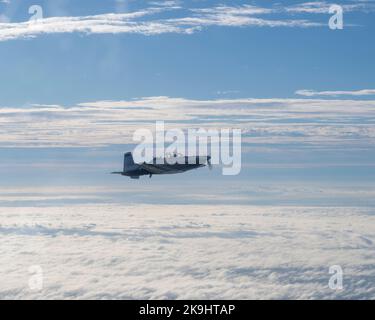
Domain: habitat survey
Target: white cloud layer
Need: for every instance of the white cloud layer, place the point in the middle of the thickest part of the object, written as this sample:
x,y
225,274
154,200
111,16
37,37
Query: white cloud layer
x,y
314,122
187,252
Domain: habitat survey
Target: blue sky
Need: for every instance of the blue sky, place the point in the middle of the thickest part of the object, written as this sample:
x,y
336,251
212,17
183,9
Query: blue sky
x,y
243,61
61,81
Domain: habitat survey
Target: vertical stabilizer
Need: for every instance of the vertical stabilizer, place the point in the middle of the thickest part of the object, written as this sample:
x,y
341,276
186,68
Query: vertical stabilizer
x,y
128,160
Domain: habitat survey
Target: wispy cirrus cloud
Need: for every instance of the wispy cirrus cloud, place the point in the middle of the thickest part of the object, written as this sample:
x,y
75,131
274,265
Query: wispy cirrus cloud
x,y
187,20
150,21
312,93
322,7
110,23
239,16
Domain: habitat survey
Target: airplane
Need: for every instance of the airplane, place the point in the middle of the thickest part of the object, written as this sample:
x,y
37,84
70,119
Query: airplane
x,y
135,170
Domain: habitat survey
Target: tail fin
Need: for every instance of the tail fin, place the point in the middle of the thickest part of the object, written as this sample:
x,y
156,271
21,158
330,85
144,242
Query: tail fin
x,y
128,160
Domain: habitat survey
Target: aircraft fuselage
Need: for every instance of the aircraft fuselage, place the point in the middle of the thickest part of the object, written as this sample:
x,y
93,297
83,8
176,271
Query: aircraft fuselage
x,y
161,166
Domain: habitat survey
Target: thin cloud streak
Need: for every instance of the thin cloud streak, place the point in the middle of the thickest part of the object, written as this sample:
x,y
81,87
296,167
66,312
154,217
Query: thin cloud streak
x,y
147,22
322,7
312,93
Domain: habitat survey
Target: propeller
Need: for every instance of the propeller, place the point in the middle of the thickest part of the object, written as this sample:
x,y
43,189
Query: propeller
x,y
209,162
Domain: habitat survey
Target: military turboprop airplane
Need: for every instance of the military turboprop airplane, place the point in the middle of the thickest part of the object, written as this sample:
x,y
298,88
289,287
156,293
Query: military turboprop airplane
x,y
180,165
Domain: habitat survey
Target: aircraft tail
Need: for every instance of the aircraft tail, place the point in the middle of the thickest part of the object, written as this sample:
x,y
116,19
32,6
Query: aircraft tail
x,y
128,160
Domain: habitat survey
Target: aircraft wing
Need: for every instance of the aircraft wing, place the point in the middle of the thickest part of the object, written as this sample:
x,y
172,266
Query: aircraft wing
x,y
156,169
152,169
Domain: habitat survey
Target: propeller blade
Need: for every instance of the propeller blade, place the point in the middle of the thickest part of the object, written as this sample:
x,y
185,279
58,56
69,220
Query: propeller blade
x,y
209,162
